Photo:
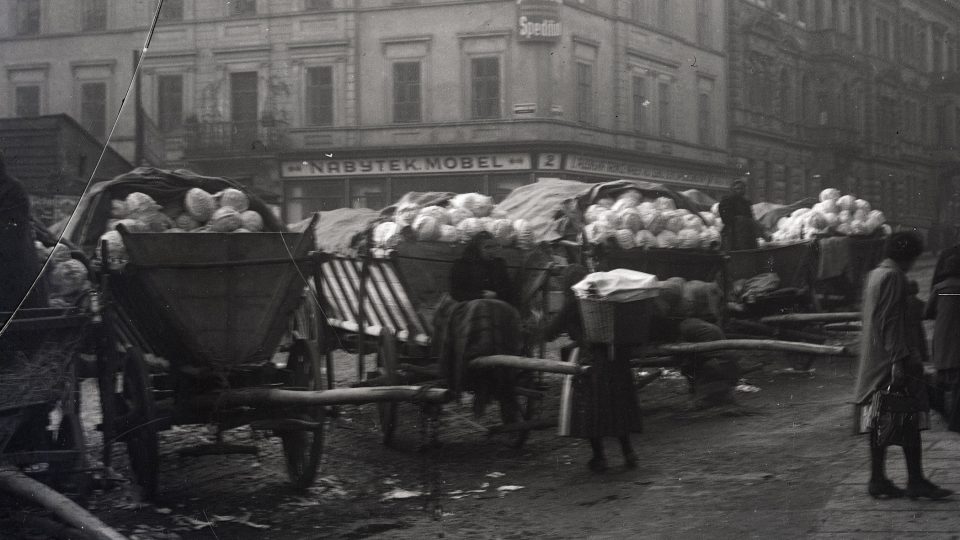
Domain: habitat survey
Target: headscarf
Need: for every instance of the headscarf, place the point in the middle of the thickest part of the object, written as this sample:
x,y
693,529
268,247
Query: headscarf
x,y
903,246
473,249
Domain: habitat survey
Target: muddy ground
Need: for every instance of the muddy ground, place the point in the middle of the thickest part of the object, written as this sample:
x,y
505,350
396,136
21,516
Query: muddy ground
x,y
763,468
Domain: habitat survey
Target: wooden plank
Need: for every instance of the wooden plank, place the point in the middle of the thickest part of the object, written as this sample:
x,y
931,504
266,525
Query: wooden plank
x,y
749,344
532,364
795,318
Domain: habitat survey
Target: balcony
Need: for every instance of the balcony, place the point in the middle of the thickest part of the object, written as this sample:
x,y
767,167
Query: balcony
x,y
235,138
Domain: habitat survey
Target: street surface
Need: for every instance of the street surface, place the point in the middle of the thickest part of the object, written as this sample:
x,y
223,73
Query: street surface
x,y
780,464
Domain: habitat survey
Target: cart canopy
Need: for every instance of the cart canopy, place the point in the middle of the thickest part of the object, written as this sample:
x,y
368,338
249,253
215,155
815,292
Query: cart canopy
x,y
339,231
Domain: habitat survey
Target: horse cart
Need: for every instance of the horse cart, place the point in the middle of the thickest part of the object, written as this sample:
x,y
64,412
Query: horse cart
x,y
199,330
384,305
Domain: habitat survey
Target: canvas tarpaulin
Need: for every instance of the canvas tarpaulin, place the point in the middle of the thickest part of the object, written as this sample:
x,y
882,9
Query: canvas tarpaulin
x,y
338,231
539,204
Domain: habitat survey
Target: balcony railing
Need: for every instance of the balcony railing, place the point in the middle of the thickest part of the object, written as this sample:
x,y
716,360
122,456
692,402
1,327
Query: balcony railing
x,y
225,138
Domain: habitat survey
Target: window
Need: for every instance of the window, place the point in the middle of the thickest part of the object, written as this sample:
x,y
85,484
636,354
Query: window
x,y
803,100
28,17
640,103
703,23
852,19
27,101
922,38
169,102
242,7
319,104
172,10
780,6
406,92
584,92
865,36
663,14
636,10
818,14
94,15
941,114
317,5
664,110
835,14
802,11
786,99
823,109
93,108
485,83
924,126
705,121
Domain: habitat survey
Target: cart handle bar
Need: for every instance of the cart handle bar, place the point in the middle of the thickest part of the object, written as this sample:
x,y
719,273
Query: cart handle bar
x,y
223,264
251,397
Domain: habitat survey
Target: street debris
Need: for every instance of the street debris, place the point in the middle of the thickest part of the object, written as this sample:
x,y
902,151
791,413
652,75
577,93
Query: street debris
x,y
400,494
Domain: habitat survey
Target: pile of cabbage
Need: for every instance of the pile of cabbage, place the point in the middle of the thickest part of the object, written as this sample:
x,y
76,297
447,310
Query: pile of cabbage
x,y
834,214
632,221
67,278
200,211
464,216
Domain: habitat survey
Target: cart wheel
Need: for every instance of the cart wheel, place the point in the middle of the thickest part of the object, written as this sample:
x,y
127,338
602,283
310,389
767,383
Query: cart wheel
x,y
303,448
387,367
139,428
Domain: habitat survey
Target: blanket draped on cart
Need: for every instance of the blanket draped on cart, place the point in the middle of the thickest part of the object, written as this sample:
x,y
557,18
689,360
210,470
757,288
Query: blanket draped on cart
x,y
468,330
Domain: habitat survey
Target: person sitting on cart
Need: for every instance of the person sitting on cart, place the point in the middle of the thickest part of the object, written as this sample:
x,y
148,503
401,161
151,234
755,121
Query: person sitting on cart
x,y
20,266
604,403
481,320
740,228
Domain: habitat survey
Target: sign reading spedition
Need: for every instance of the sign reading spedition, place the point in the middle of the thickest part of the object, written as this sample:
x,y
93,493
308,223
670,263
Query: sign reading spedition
x,y
538,20
406,165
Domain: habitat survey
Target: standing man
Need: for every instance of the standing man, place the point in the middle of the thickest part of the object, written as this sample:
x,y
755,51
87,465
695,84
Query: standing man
x,y
740,229
19,264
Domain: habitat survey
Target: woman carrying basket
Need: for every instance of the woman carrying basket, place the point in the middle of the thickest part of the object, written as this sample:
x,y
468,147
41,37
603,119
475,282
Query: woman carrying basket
x,y
604,402
890,371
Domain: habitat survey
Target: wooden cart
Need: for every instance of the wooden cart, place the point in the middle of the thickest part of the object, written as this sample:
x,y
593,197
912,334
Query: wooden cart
x,y
384,306
198,320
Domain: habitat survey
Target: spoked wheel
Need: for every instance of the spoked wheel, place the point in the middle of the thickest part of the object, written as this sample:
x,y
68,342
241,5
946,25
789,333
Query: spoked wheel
x,y
303,448
387,370
137,424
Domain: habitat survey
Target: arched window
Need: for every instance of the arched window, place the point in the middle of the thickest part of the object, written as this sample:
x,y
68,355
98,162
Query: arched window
x,y
786,97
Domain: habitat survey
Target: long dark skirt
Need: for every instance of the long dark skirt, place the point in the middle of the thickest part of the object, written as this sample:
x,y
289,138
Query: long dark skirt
x,y
945,397
604,401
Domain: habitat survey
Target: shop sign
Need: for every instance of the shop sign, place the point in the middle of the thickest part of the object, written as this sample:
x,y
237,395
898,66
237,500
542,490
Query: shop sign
x,y
625,169
538,20
406,165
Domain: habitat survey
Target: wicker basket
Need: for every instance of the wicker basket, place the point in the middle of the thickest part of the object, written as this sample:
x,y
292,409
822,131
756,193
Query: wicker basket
x,y
618,323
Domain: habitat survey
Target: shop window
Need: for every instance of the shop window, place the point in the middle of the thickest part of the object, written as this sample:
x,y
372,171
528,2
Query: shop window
x,y
172,10
169,102
93,108
585,98
786,97
485,82
27,101
28,17
320,96
304,198
368,193
501,186
94,15
406,92
454,184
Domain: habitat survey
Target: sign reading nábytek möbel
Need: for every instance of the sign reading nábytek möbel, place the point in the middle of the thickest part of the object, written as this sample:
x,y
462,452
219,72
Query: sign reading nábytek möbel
x,y
538,20
406,165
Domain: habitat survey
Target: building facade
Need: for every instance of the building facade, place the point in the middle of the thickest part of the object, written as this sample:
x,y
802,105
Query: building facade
x,y
862,96
355,102
73,57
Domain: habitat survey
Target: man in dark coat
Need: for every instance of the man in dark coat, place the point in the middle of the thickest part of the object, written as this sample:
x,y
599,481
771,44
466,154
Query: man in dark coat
x,y
19,264
740,229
